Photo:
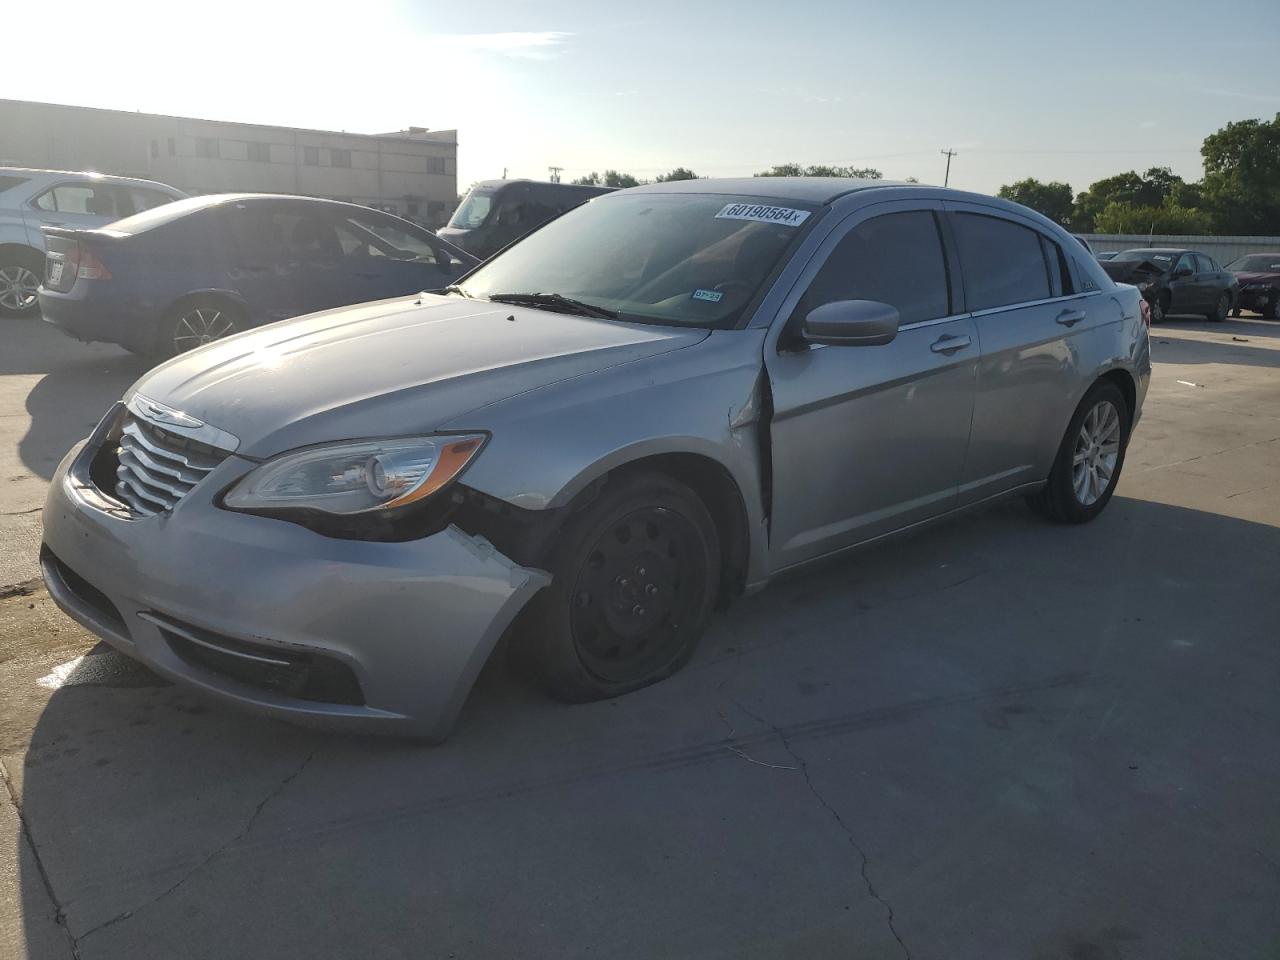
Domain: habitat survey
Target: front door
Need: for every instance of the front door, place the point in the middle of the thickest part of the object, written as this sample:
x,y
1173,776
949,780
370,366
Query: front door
x,y
385,257
1186,292
866,440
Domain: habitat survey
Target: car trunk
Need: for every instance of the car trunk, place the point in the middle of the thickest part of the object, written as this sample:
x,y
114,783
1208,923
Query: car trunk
x,y
70,254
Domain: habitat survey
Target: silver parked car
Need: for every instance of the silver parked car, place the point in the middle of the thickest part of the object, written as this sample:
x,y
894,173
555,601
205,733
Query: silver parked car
x,y
31,199
657,401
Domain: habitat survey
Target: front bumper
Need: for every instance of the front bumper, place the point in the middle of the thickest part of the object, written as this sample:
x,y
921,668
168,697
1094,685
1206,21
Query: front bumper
x,y
257,598
1257,300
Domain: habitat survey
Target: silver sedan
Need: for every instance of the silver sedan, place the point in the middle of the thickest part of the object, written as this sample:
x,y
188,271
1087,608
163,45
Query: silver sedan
x,y
656,402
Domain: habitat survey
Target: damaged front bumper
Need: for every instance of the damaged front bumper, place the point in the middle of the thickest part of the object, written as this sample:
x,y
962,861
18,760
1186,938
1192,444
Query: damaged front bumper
x,y
377,637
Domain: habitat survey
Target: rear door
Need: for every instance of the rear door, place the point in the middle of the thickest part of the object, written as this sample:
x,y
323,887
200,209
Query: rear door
x,y
866,440
1186,293
1031,323
256,259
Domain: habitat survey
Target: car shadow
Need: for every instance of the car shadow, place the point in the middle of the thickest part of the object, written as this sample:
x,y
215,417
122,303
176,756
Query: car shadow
x,y
78,383
1234,342
1100,695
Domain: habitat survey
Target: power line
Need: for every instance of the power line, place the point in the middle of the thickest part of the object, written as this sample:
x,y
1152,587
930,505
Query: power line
x,y
554,173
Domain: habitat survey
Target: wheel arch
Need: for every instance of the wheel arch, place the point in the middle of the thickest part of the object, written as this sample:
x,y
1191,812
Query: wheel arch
x,y
1123,379
708,477
24,250
230,297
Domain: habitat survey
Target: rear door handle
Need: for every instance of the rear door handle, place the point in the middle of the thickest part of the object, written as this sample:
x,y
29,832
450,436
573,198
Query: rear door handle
x,y
948,344
1069,318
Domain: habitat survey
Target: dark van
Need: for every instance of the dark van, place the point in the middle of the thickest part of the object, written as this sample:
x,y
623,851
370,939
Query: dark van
x,y
496,212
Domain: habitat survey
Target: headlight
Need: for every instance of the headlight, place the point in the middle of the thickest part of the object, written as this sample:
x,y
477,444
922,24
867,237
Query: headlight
x,y
350,478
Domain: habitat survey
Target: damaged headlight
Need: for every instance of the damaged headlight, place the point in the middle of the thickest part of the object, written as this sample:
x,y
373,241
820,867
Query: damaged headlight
x,y
367,477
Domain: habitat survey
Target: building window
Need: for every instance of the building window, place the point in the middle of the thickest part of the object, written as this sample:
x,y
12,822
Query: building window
x,y
260,152
411,207
311,156
435,164
339,158
450,166
173,147
207,147
155,149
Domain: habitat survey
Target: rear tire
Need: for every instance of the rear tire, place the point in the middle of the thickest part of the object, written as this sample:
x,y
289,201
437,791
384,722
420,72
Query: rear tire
x,y
1273,308
194,323
1220,309
1090,458
21,272
1159,309
635,575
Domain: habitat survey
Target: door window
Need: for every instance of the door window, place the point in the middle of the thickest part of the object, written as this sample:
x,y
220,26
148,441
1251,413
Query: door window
x,y
93,199
142,198
1004,262
896,259
1186,262
1205,264
375,237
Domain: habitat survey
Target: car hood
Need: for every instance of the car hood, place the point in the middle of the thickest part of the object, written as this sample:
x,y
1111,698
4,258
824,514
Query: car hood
x,y
394,367
1269,276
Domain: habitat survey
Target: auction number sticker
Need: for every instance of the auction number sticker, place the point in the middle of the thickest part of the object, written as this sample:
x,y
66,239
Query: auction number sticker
x,y
786,216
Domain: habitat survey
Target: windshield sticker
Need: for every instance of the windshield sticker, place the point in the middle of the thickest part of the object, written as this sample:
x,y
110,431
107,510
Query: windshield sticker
x,y
711,296
1161,257
754,211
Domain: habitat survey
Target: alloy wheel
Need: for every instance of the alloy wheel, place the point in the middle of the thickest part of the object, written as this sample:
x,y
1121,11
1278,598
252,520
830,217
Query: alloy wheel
x,y
640,583
17,287
200,326
1097,450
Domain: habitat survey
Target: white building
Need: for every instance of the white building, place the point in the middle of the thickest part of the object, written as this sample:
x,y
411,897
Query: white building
x,y
412,172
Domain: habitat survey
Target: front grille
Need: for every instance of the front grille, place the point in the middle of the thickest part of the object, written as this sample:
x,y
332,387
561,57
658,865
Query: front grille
x,y
156,468
301,676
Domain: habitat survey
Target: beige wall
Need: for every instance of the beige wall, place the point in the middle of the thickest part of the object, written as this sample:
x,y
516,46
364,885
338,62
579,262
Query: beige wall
x,y
411,175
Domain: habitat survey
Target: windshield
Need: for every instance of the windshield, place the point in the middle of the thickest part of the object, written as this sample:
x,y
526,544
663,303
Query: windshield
x,y
1164,260
1256,263
472,212
689,259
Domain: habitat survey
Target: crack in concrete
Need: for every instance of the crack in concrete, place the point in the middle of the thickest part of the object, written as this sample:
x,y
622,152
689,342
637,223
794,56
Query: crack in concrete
x,y
844,827
19,513
217,852
59,915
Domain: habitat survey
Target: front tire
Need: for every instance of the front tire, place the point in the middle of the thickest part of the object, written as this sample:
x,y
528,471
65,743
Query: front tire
x,y
1273,308
1220,309
20,275
1159,309
635,575
1090,458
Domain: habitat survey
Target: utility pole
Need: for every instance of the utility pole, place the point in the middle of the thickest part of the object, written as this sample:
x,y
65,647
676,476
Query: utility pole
x,y
555,173
504,173
948,153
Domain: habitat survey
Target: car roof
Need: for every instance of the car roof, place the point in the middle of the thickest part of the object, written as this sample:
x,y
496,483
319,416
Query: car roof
x,y
803,189
84,174
1168,251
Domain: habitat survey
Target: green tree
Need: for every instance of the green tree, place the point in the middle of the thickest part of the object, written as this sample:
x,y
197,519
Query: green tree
x,y
1054,199
795,170
1121,188
592,179
1121,216
612,178
1241,184
679,173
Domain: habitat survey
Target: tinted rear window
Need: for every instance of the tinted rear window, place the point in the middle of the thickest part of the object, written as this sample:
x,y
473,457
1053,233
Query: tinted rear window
x,y
1003,262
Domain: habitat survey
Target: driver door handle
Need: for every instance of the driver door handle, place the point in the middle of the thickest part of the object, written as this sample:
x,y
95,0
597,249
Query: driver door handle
x,y
948,344
1069,318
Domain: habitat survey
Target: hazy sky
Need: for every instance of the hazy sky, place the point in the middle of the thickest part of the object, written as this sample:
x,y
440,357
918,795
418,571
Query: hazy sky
x,y
1063,91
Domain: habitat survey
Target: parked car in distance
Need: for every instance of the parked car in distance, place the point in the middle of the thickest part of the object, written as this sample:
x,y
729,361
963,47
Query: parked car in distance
x,y
1105,255
1176,281
496,213
1258,275
31,199
178,277
660,400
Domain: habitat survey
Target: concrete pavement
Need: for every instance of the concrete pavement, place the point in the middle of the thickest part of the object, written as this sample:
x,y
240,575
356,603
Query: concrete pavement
x,y
997,738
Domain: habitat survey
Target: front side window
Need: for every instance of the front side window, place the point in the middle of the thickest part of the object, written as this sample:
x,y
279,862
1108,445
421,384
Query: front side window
x,y
1205,264
685,259
1186,262
373,237
896,259
473,211
1003,261
94,199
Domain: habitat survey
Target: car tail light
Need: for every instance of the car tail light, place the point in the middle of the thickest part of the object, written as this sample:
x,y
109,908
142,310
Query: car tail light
x,y
88,266
1145,309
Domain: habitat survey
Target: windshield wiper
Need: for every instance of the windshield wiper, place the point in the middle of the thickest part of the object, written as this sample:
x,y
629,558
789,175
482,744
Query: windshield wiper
x,y
555,301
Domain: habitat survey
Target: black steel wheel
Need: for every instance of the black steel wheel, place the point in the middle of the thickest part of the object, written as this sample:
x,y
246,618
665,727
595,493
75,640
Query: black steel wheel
x,y
1159,308
634,578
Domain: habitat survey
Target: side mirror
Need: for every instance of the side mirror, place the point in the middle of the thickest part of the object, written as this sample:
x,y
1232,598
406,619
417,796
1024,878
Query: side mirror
x,y
851,323
1181,272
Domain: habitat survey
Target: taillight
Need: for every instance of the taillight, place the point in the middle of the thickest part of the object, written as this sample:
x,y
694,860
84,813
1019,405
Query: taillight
x,y
88,266
1145,309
